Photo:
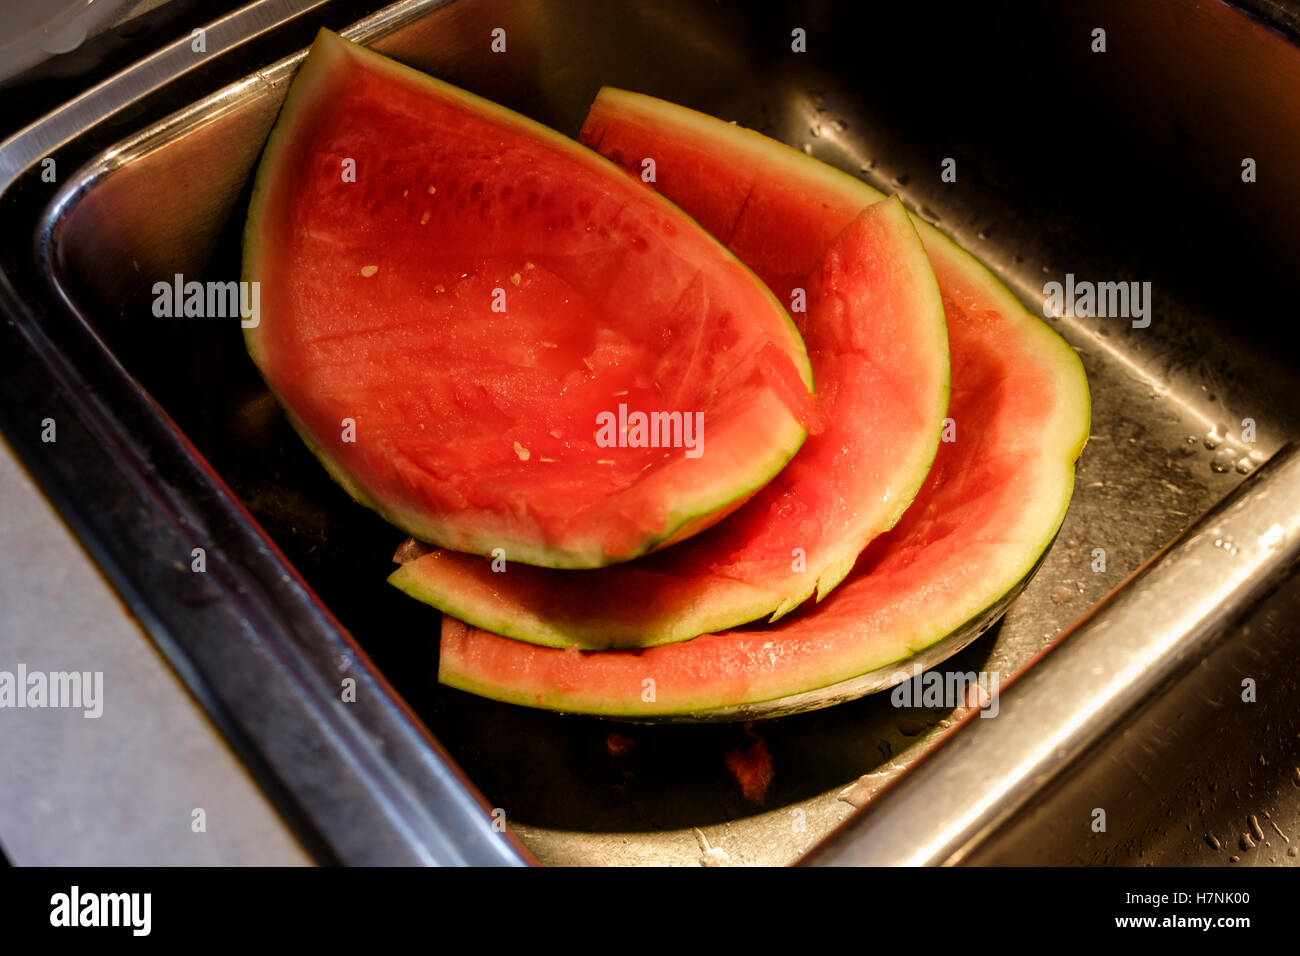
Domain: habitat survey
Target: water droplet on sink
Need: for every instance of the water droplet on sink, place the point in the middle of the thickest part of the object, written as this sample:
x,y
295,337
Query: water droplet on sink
x,y
815,129
1245,466
1227,544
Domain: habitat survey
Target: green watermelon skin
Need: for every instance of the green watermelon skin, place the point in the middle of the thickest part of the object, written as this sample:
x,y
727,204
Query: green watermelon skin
x,y
987,513
451,297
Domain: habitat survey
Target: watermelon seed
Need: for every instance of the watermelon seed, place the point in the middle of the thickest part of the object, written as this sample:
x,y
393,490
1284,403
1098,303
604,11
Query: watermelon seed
x,y
523,453
439,288
424,217
516,279
548,459
368,271
550,345
620,393
604,461
433,190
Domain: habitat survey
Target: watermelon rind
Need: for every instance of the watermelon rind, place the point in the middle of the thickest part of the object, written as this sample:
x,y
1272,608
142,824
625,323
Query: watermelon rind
x,y
745,674
692,509
529,605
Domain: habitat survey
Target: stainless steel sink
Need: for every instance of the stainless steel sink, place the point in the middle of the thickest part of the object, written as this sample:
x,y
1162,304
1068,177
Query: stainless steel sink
x,y
1069,161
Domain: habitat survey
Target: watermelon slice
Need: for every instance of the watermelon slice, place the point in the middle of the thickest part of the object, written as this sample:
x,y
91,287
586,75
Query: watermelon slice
x,y
990,507
875,332
458,304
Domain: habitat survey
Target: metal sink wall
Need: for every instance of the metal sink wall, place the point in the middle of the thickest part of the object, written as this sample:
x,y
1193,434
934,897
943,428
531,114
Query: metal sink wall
x,y
1115,166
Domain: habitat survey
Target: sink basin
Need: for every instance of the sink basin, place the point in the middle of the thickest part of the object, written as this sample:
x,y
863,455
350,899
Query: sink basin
x,y
1070,161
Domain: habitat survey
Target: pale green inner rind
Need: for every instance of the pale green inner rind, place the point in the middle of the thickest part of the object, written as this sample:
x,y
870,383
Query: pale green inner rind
x,y
709,498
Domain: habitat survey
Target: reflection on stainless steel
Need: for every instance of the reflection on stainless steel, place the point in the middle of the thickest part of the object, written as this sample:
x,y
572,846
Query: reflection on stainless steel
x,y
1168,400
1151,629
139,80
1181,780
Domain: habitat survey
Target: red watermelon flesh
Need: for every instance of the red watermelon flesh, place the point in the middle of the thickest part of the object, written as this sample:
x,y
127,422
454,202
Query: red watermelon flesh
x,y
453,295
875,333
989,508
